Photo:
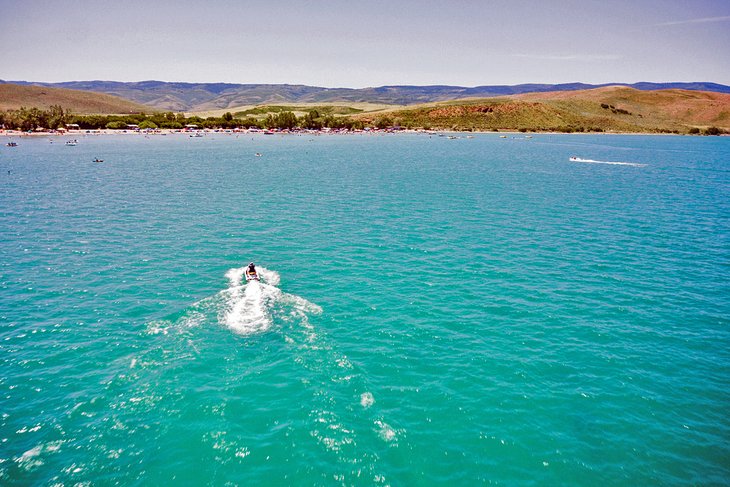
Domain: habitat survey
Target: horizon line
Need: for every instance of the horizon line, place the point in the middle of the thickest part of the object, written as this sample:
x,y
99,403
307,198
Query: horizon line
x,y
365,87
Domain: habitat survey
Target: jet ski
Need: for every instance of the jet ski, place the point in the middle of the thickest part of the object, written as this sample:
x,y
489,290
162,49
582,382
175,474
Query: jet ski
x,y
251,273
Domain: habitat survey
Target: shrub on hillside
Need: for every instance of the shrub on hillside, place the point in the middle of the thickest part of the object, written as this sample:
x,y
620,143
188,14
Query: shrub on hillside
x,y
383,122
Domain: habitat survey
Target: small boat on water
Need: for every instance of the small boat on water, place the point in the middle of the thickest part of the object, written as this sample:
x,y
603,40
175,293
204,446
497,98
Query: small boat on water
x,y
72,142
98,160
12,144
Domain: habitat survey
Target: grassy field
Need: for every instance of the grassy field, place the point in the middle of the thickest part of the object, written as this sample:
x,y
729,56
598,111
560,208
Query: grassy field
x,y
322,109
12,97
300,109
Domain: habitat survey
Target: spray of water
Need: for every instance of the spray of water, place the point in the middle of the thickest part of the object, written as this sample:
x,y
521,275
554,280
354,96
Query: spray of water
x,y
248,307
243,307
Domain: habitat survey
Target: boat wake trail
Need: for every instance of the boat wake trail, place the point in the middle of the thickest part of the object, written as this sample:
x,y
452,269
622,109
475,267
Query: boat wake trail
x,y
249,307
613,163
343,420
244,308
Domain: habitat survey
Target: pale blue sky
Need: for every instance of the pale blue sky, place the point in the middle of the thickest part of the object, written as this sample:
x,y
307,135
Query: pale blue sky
x,y
367,42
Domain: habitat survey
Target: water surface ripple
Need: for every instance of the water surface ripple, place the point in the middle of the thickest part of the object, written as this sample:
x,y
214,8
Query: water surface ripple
x,y
469,311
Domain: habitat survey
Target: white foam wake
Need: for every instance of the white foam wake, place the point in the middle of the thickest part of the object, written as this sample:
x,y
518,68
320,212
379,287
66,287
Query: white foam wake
x,y
614,163
248,307
243,307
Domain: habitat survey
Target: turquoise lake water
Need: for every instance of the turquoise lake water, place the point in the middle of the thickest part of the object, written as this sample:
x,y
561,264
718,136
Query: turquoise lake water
x,y
433,311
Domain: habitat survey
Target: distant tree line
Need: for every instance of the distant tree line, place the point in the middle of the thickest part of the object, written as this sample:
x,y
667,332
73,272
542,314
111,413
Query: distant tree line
x,y
32,118
312,120
707,131
56,117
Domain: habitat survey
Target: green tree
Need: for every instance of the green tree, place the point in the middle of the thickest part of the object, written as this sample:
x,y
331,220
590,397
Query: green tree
x,y
56,117
286,120
31,118
147,124
383,122
171,125
116,125
311,120
251,123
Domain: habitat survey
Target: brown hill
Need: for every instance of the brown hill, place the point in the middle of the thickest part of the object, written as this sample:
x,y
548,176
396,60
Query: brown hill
x,y
12,97
609,109
647,108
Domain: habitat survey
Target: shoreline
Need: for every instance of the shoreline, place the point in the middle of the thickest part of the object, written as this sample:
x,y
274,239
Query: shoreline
x,y
202,132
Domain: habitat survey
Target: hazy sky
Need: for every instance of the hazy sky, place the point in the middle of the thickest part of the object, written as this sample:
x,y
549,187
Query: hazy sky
x,y
367,42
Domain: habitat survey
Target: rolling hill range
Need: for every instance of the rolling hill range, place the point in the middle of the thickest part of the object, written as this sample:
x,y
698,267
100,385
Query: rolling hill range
x,y
612,108
205,97
609,108
12,97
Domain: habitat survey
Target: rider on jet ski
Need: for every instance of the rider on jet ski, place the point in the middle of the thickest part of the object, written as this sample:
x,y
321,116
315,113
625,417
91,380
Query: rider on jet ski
x,y
251,272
